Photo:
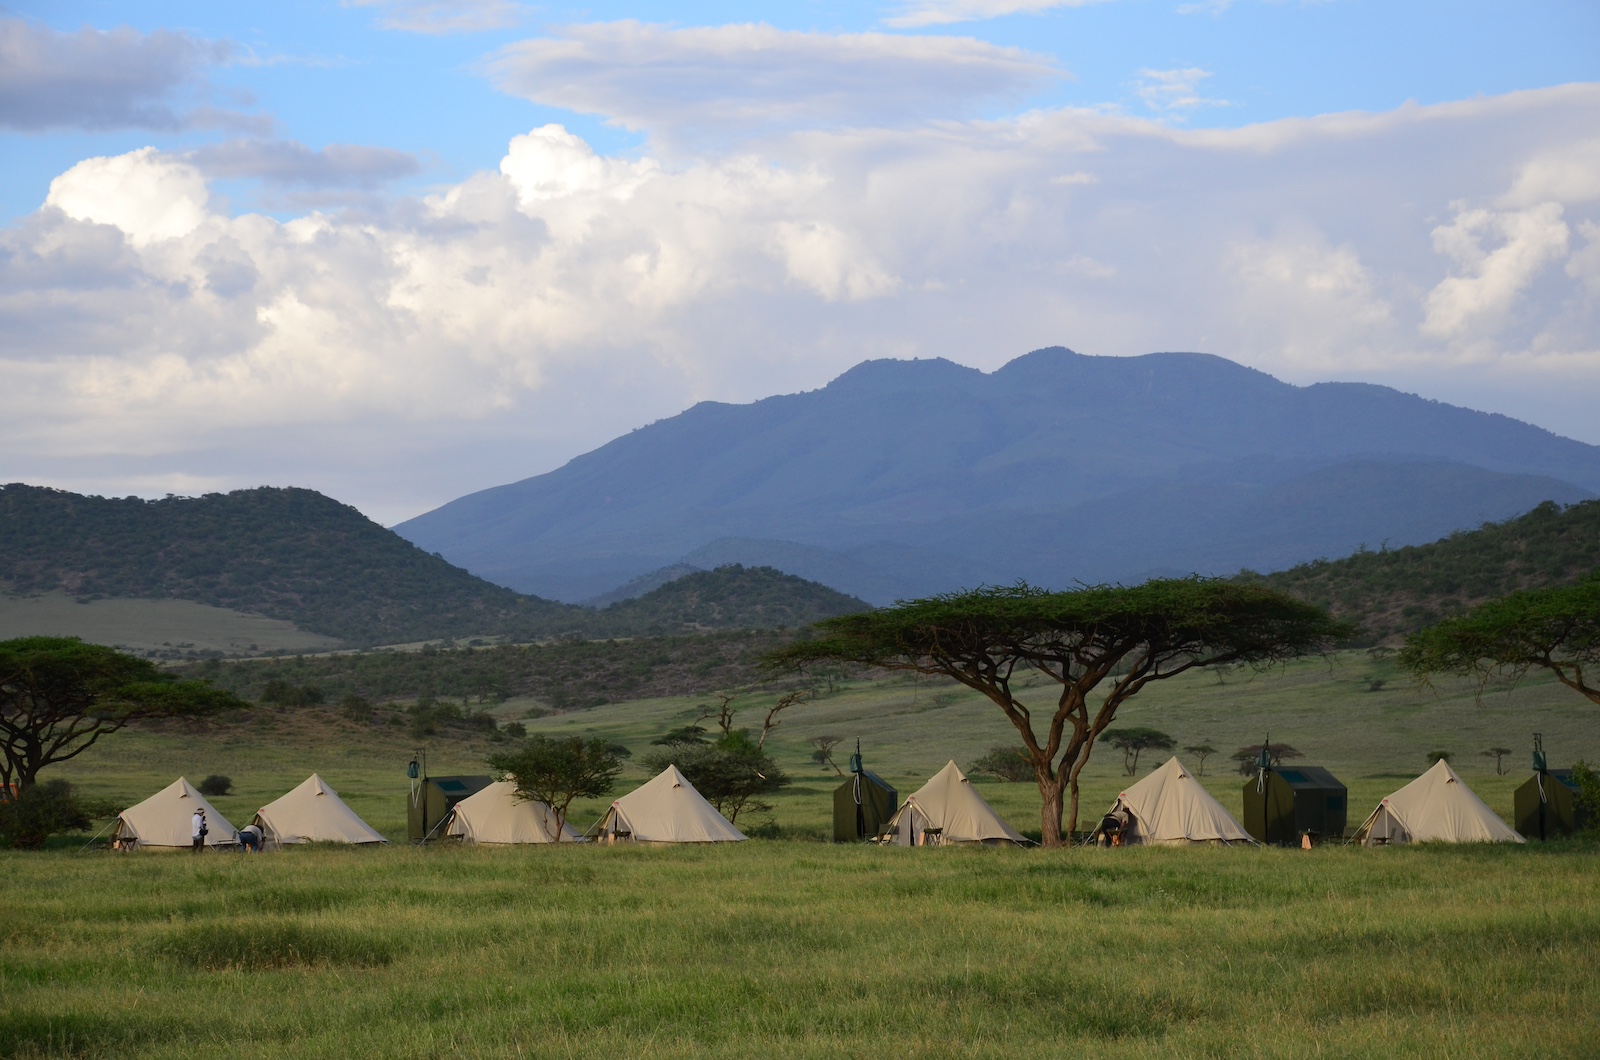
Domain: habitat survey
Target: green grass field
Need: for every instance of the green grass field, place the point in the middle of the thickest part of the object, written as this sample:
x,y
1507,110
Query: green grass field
x,y
162,626
799,948
803,950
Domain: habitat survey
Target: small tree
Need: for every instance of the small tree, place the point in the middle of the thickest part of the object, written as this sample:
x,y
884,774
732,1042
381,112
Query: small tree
x,y
59,696
1004,763
43,810
1200,752
1247,758
1435,757
1134,739
823,755
1587,781
1499,755
1553,629
558,770
731,773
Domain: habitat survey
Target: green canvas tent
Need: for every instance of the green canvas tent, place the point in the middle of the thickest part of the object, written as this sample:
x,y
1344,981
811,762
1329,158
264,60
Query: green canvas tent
x,y
1281,805
432,799
862,806
1546,805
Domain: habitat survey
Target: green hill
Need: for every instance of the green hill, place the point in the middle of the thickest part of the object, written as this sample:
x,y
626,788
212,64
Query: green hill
x,y
730,597
291,554
1392,592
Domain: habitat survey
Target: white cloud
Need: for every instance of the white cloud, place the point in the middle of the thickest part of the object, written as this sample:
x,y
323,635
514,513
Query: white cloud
x,y
104,79
1568,174
437,17
1491,279
148,196
1169,91
536,309
918,13
723,80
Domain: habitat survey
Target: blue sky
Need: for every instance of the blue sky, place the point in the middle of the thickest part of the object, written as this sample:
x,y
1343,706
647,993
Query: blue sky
x,y
396,250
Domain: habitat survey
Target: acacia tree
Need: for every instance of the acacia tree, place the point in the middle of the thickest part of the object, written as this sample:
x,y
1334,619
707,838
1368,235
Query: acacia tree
x,y
992,639
1554,629
58,696
1200,752
557,770
1133,739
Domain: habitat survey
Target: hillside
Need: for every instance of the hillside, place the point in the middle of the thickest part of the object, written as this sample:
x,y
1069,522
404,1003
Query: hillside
x,y
731,597
289,554
1391,592
904,478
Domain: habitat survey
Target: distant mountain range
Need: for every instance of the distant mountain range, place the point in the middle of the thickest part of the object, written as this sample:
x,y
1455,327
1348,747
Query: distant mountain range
x,y
904,478
297,555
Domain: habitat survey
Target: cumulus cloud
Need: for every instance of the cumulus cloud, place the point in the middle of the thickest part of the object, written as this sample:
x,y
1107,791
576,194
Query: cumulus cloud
x,y
727,79
436,17
102,79
284,162
538,308
945,12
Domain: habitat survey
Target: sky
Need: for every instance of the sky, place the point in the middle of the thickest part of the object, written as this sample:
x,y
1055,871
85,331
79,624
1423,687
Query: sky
x,y
402,250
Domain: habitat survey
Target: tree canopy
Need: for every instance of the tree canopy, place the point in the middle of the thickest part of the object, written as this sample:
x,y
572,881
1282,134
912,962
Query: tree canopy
x,y
731,772
991,639
1556,629
1133,739
58,696
557,770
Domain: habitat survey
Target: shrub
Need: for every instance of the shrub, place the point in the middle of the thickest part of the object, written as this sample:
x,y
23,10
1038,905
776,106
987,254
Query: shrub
x,y
43,810
1435,757
214,785
515,729
1588,799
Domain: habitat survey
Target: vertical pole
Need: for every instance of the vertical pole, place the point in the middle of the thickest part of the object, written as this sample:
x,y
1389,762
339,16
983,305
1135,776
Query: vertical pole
x,y
1542,774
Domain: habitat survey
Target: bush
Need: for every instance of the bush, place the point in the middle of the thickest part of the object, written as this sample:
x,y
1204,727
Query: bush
x,y
515,729
1435,757
356,708
214,785
1588,798
42,811
1004,763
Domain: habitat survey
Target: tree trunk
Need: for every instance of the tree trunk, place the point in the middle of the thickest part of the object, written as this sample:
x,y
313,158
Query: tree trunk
x,y
1050,812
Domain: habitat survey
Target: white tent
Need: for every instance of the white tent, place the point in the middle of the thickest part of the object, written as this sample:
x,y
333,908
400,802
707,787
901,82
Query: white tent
x,y
947,810
1437,807
164,820
496,815
1170,808
313,813
666,810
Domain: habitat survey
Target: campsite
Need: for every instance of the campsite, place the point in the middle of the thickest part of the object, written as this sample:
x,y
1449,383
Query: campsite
x,y
793,946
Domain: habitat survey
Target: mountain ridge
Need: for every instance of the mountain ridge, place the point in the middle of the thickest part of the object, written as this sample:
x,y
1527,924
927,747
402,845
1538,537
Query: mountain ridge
x,y
928,456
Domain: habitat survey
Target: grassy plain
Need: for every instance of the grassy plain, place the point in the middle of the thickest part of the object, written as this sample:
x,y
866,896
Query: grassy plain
x,y
160,626
789,949
800,949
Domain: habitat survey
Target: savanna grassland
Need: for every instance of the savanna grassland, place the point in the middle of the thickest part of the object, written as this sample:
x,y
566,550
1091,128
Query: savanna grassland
x,y
792,947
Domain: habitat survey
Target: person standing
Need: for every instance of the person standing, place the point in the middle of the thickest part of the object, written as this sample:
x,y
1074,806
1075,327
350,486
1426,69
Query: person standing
x,y
198,829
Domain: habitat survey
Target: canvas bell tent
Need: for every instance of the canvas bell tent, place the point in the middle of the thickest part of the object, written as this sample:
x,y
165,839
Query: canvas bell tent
x,y
1437,807
1281,805
496,815
1170,808
667,809
313,813
948,811
1547,805
164,820
432,799
862,807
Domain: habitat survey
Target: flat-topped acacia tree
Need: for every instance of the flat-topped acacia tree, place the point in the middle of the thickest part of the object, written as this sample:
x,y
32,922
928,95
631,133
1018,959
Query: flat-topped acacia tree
x,y
1126,637
1556,629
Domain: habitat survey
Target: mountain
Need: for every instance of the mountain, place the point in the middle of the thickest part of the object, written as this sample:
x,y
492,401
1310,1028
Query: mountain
x,y
902,478
296,555
1391,592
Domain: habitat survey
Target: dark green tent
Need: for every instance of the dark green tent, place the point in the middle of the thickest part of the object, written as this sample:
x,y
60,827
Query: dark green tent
x,y
1556,791
862,807
433,798
1283,804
